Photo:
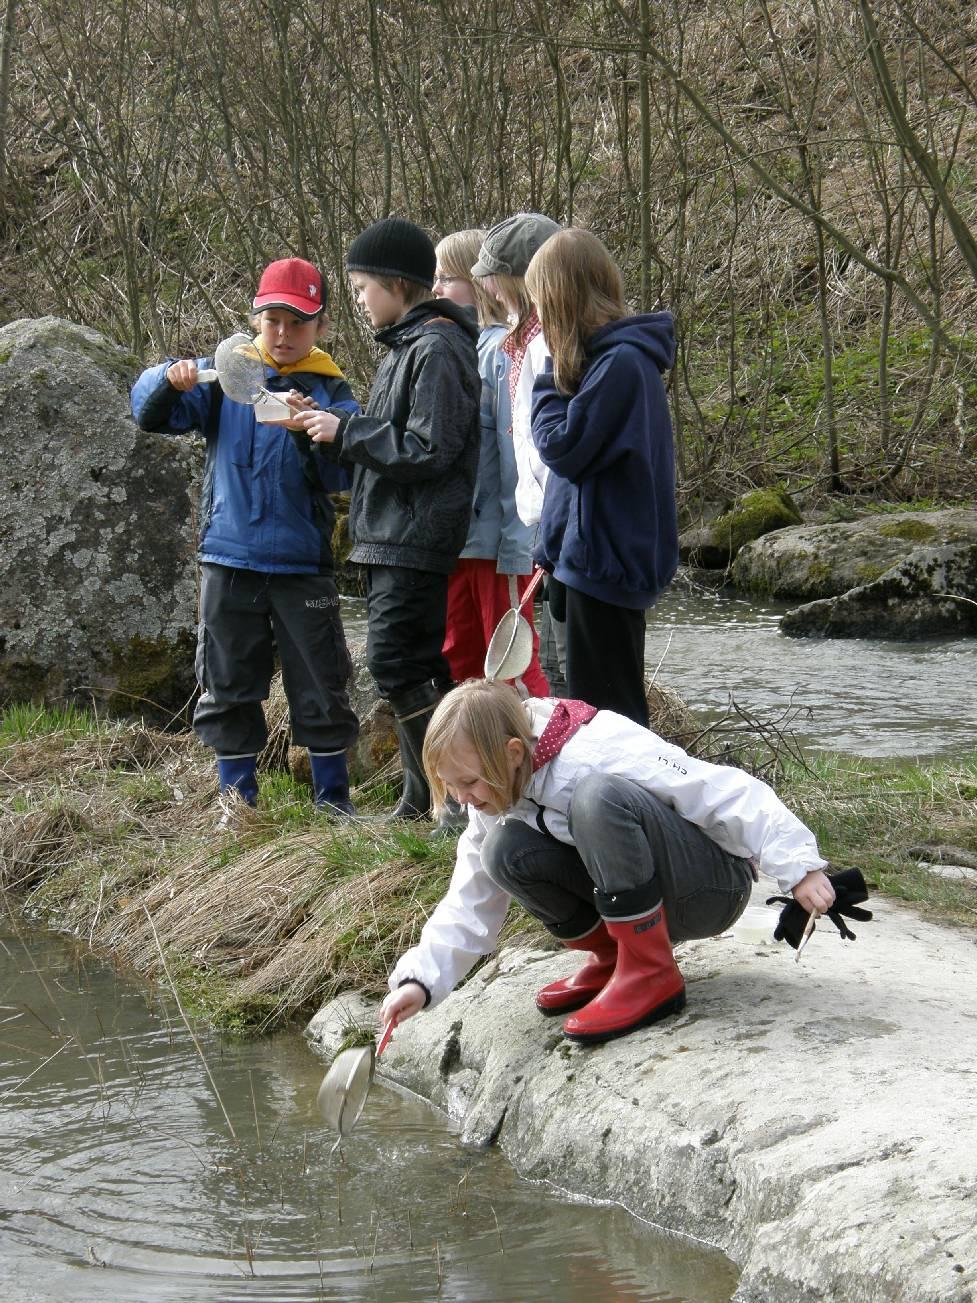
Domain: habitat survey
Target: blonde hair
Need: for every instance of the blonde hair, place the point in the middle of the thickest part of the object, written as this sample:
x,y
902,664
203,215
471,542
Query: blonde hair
x,y
520,305
577,288
485,715
457,253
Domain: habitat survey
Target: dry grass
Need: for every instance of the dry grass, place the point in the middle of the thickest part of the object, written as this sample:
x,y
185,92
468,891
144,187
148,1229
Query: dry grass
x,y
112,835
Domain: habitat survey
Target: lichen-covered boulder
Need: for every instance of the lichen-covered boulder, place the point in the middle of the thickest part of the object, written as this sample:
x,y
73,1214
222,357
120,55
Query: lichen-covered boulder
x,y
98,576
930,594
713,545
810,562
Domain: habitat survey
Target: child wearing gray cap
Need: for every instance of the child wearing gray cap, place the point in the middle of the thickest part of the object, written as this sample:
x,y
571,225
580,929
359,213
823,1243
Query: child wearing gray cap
x,y
502,261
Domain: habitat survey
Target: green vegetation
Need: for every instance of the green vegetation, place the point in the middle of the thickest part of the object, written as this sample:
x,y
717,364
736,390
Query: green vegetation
x,y
875,814
24,720
108,831
915,531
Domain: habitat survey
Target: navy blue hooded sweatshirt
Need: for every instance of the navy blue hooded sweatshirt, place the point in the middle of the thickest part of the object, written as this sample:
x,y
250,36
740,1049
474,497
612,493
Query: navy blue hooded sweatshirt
x,y
609,525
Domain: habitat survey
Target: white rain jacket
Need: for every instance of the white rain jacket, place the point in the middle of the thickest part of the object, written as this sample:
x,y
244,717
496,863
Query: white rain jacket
x,y
740,813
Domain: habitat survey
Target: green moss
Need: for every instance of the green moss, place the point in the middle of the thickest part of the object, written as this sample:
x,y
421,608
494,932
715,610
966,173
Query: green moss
x,y
152,671
914,531
754,515
819,572
207,996
867,574
23,681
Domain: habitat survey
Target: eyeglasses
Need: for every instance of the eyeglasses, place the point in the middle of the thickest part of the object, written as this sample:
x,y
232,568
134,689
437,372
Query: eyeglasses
x,y
446,280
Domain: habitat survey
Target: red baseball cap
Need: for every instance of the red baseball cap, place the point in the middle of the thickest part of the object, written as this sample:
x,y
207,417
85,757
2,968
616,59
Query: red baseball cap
x,y
291,283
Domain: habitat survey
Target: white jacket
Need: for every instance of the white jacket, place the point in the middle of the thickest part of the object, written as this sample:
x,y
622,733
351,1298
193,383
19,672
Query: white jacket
x,y
530,469
740,813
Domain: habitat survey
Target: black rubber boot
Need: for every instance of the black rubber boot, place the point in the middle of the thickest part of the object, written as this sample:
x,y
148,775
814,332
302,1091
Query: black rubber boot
x,y
412,710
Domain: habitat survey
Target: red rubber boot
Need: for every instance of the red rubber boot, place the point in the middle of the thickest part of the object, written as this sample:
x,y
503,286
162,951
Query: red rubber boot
x,y
646,984
572,992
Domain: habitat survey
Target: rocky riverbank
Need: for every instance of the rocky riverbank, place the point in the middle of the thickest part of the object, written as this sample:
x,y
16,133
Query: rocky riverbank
x,y
814,1120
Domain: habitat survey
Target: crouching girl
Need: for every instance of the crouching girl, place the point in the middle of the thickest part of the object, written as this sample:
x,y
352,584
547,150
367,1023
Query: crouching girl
x,y
617,841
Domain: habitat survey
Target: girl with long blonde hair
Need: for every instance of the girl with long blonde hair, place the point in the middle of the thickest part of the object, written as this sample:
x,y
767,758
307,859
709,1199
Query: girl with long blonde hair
x,y
617,841
608,529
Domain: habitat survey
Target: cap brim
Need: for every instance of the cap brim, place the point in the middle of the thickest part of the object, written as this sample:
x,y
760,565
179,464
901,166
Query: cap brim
x,y
299,306
482,269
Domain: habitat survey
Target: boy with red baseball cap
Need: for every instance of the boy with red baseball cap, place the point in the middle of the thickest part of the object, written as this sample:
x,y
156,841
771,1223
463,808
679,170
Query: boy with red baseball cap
x,y
265,543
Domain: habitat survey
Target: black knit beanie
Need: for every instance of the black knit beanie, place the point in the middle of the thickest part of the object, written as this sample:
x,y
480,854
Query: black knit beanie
x,y
394,247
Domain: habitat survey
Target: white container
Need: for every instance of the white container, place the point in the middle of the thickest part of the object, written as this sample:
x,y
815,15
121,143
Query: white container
x,y
755,925
271,409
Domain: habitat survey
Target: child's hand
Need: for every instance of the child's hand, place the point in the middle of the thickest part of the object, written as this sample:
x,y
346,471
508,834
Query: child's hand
x,y
320,426
182,375
299,402
403,1003
298,405
814,892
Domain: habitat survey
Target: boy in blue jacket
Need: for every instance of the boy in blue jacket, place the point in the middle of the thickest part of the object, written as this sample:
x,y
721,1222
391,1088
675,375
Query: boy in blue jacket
x,y
265,550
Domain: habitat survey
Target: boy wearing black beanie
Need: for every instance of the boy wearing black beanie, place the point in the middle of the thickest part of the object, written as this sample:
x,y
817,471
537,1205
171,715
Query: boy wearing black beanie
x,y
413,455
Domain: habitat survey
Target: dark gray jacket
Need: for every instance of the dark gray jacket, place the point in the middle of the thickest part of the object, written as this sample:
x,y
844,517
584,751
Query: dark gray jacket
x,y
413,452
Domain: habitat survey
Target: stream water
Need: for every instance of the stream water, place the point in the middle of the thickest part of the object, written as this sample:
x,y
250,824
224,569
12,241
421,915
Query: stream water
x,y
863,696
138,1162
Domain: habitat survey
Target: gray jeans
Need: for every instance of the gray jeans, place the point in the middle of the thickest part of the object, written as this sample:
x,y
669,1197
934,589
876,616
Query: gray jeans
x,y
630,849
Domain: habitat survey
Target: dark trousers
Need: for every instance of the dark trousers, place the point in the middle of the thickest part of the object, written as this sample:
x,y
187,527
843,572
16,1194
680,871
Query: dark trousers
x,y
406,613
606,655
244,616
625,840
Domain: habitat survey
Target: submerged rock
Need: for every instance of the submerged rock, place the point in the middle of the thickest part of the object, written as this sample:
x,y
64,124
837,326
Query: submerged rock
x,y
98,575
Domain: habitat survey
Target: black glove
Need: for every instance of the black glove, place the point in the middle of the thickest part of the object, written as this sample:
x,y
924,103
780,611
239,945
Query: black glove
x,y
850,890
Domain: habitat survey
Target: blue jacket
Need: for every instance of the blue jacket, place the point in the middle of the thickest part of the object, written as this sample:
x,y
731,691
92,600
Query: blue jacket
x,y
496,533
264,504
609,525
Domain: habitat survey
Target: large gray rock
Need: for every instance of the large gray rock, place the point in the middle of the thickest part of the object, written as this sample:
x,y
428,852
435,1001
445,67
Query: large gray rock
x,y
98,576
816,1120
809,562
930,594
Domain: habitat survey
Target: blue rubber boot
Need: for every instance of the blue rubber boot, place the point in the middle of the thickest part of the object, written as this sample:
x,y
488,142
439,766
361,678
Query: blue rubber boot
x,y
241,774
330,782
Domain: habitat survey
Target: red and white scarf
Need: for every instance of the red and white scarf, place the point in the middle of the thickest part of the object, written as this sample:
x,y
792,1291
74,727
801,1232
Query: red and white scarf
x,y
567,718
516,348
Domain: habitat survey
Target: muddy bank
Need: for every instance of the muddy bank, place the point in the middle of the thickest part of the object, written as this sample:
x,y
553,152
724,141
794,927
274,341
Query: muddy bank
x,y
816,1121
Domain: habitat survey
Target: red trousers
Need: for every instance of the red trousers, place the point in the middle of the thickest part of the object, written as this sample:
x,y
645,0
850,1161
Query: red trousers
x,y
478,598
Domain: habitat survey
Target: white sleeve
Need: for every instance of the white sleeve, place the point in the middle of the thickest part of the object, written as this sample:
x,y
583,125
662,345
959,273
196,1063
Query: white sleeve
x,y
747,818
530,471
464,926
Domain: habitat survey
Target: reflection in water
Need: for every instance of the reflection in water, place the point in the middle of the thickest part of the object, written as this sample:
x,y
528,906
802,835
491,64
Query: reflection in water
x,y
864,696
124,1176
